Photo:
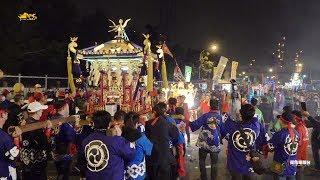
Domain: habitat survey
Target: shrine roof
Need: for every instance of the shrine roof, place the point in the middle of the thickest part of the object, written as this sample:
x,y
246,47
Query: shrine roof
x,y
114,48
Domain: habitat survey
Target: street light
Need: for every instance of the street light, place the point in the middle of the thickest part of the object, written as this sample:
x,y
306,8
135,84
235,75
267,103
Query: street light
x,y
270,70
243,72
214,47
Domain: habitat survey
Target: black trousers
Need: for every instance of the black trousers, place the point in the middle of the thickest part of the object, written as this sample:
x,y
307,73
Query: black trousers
x,y
188,134
159,172
81,165
299,175
63,169
202,164
315,152
35,174
238,176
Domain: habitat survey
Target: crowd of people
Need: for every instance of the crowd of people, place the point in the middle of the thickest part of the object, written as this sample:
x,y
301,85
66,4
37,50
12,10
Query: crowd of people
x,y
260,118
125,145
132,145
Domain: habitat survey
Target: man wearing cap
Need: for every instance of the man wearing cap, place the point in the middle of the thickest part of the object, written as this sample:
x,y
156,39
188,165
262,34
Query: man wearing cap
x,y
8,96
36,94
285,144
37,88
8,150
64,141
35,146
42,99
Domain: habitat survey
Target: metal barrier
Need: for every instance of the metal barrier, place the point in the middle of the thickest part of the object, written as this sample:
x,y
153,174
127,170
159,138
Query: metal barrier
x,y
46,82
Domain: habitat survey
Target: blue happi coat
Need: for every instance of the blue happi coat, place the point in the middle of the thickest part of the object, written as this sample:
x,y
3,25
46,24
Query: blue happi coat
x,y
64,136
283,148
8,154
237,148
81,134
209,137
136,168
106,155
180,139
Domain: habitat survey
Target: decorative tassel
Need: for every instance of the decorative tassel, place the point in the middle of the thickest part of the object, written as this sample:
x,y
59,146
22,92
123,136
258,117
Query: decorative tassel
x,y
143,71
157,74
150,74
164,74
76,70
87,66
70,75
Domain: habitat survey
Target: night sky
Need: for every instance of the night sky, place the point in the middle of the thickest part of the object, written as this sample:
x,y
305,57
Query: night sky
x,y
244,29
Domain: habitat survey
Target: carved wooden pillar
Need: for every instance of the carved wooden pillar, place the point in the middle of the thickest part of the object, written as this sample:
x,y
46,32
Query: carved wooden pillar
x,y
104,87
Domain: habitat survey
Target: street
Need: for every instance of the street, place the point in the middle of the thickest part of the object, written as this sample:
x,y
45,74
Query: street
x,y
192,164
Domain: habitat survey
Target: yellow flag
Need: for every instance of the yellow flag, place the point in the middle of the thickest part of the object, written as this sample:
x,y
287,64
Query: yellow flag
x,y
234,67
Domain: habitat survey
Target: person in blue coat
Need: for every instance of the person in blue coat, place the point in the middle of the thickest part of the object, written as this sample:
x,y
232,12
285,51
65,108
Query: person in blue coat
x,y
238,159
285,144
64,141
8,96
179,145
136,168
161,132
82,131
106,155
209,138
8,150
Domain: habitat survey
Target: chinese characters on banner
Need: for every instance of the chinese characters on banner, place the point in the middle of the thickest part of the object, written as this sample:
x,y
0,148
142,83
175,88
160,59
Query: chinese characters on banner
x,y
234,67
220,68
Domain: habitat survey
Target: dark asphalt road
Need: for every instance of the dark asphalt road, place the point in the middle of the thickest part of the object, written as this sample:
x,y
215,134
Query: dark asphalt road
x,y
192,165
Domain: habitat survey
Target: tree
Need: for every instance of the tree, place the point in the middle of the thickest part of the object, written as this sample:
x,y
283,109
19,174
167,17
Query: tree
x,y
206,65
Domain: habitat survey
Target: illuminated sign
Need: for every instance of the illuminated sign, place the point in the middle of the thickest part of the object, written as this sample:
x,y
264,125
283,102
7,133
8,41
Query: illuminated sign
x,y
27,17
296,80
188,72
